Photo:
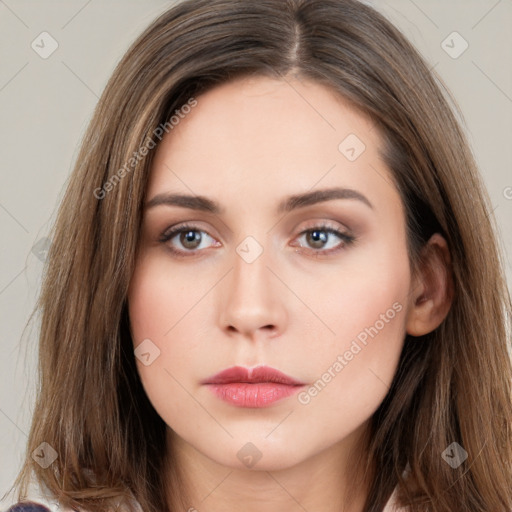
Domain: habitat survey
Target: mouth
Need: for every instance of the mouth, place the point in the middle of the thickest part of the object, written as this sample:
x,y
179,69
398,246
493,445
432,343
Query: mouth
x,y
252,387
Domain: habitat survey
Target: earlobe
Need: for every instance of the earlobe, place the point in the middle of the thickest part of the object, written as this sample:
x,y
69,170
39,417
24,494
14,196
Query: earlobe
x,y
432,294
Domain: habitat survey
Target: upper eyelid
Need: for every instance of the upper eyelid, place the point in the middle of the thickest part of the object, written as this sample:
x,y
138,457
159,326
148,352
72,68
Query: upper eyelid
x,y
184,226
313,224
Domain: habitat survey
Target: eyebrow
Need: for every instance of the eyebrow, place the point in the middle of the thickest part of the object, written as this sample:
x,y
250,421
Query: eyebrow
x,y
201,203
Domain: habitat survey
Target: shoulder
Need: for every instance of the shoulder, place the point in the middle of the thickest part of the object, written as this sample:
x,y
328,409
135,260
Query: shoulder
x,y
39,499
38,503
44,505
29,506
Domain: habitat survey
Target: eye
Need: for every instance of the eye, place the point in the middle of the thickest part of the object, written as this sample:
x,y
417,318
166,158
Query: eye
x,y
190,238
322,239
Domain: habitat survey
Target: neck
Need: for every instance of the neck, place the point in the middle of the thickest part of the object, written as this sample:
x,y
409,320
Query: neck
x,y
328,481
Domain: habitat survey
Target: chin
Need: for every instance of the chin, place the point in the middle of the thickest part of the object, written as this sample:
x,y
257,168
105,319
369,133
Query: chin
x,y
255,455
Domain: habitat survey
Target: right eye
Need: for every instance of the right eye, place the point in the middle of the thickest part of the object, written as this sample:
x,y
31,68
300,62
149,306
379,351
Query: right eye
x,y
190,238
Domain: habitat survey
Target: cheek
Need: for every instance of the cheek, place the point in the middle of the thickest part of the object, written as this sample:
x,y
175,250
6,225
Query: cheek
x,y
158,303
159,297
366,313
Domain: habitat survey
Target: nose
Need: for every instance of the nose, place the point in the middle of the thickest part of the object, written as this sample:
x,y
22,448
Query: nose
x,y
251,300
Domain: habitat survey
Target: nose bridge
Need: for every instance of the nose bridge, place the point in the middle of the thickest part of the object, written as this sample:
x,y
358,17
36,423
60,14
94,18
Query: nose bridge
x,y
250,295
250,276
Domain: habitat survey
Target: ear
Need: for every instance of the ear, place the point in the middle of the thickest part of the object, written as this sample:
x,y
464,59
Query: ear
x,y
432,288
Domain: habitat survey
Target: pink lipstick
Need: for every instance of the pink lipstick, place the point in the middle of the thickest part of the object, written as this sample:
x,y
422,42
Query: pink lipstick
x,y
252,387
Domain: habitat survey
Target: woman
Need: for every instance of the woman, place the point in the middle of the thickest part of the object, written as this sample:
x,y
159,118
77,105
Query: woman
x,y
273,280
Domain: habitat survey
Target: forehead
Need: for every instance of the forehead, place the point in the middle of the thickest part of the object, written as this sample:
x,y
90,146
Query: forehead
x,y
256,135
253,107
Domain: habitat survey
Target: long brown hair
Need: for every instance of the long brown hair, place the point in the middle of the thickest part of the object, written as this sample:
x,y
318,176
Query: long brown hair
x,y
453,385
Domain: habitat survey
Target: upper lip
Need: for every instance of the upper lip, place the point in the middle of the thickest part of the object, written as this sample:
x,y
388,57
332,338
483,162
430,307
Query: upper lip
x,y
251,375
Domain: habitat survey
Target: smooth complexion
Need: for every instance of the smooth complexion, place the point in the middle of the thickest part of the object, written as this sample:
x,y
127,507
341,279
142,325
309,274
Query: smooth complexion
x,y
249,146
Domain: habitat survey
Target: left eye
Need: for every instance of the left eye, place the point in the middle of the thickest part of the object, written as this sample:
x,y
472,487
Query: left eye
x,y
318,238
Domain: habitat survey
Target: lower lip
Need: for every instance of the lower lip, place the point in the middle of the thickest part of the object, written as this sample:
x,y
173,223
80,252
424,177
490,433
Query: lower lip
x,y
243,394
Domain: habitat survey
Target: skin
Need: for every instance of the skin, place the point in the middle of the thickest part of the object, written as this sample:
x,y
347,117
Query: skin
x,y
248,145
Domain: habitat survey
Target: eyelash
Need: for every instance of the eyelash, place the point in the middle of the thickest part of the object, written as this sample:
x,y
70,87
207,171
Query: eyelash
x,y
168,235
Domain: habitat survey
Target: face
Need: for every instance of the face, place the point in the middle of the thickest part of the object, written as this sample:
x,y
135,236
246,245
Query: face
x,y
314,286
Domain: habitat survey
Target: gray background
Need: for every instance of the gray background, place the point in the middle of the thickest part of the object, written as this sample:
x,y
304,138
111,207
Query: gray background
x,y
45,105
